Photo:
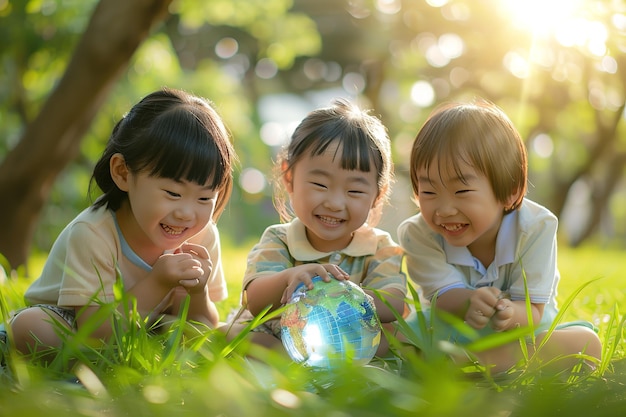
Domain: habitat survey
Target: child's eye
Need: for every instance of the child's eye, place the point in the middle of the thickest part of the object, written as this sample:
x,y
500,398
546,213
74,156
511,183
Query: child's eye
x,y
317,184
463,191
172,193
356,192
206,199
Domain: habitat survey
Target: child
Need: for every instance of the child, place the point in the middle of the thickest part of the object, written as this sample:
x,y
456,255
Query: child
x,y
166,175
336,171
476,236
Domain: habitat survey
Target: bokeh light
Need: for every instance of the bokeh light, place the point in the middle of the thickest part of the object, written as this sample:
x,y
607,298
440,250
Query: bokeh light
x,y
274,134
266,68
422,94
353,83
226,48
542,145
252,180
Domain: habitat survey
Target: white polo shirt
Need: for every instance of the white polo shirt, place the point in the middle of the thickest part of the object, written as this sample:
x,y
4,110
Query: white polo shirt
x,y
526,245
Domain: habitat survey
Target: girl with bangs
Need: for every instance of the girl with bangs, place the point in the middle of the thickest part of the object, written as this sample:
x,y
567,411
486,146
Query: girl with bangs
x,y
165,177
332,180
478,246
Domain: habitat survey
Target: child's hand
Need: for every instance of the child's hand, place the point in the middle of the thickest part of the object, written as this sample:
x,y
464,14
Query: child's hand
x,y
305,273
189,266
200,254
482,306
501,320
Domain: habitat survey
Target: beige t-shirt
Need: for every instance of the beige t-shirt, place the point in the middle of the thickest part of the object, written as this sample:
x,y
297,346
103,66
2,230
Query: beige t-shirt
x,y
82,266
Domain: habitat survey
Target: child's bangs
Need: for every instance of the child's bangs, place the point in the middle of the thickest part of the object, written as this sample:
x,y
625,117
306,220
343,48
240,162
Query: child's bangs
x,y
187,152
354,150
451,150
358,153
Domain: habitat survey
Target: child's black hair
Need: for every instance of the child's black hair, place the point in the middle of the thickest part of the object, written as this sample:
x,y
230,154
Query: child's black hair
x,y
362,144
169,134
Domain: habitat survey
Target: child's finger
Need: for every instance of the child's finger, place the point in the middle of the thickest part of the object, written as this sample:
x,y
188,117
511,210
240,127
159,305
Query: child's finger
x,y
189,283
196,250
337,273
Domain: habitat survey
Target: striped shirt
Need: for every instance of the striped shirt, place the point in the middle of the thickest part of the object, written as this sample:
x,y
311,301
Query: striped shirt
x,y
372,259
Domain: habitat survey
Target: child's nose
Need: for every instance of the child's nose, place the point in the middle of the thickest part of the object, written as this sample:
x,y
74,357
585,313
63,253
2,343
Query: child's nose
x,y
334,202
445,211
183,213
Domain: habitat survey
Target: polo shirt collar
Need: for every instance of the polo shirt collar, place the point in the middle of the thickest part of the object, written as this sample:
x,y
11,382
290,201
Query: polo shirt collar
x,y
364,242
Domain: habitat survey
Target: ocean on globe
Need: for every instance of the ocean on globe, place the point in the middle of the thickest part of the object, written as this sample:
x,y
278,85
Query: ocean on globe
x,y
331,324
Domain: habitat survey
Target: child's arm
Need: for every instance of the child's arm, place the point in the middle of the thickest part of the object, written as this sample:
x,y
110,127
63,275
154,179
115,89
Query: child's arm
x,y
201,308
276,289
153,293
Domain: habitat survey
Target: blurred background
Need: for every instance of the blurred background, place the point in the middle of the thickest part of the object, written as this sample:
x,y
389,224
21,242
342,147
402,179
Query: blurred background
x,y
556,67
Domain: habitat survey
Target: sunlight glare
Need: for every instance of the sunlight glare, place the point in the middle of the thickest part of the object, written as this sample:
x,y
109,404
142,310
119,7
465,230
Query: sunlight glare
x,y
542,16
566,20
423,94
313,338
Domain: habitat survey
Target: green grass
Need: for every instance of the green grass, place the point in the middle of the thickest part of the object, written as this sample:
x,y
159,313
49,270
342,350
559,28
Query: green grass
x,y
191,372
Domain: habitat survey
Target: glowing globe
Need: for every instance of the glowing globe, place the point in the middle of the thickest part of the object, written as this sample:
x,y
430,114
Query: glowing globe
x,y
331,324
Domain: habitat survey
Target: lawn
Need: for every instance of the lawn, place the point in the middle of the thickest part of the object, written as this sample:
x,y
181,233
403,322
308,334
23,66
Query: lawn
x,y
197,373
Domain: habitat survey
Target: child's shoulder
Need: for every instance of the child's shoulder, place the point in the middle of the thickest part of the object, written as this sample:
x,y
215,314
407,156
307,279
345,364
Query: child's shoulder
x,y
415,223
380,233
95,217
280,231
90,230
532,212
375,236
282,228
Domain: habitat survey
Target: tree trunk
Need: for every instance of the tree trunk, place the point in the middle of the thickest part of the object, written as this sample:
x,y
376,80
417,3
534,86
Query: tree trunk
x,y
601,196
52,140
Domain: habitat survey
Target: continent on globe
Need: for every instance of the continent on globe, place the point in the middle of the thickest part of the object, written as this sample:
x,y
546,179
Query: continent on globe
x,y
331,324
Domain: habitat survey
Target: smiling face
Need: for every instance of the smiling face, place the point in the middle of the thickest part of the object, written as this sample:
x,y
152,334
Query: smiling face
x,y
160,213
461,206
331,201
468,169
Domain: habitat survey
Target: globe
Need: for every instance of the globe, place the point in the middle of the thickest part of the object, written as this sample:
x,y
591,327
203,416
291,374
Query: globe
x,y
331,324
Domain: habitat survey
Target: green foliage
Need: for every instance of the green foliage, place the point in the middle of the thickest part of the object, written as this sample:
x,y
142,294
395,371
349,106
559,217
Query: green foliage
x,y
568,94
282,35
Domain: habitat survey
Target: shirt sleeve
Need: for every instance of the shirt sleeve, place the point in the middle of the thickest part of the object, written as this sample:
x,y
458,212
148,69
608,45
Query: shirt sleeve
x,y
269,255
88,269
426,261
384,269
536,259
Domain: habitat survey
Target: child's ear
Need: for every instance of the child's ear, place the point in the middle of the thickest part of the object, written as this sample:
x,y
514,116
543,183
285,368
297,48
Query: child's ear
x,y
287,177
510,202
381,194
119,171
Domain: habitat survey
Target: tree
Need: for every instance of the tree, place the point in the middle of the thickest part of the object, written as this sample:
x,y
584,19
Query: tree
x,y
52,139
570,95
